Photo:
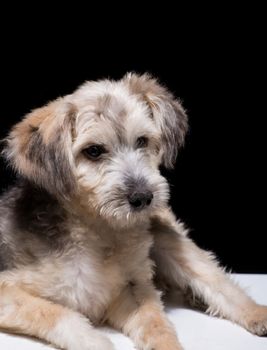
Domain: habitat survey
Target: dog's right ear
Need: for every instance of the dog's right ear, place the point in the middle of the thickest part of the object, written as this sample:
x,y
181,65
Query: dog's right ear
x,y
39,147
168,113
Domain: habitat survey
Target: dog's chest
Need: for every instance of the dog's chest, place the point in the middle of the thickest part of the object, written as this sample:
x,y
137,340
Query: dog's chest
x,y
94,273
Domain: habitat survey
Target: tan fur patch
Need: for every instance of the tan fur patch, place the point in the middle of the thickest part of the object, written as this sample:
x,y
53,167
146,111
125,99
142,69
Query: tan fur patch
x,y
23,313
144,85
31,122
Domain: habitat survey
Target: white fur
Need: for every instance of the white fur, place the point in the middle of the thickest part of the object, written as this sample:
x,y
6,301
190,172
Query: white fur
x,y
73,332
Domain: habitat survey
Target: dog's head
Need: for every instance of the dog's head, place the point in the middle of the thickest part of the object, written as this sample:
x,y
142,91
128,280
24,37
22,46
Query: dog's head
x,y
103,144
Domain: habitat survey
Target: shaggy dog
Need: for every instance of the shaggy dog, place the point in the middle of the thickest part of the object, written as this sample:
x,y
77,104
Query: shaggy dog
x,y
86,233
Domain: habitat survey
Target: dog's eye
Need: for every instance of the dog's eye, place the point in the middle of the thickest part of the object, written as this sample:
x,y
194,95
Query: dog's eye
x,y
141,142
94,151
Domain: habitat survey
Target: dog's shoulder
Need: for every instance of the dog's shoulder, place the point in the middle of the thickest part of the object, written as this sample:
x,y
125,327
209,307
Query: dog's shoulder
x,y
31,224
37,211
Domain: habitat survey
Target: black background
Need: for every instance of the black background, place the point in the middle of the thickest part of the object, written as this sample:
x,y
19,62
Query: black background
x,y
216,66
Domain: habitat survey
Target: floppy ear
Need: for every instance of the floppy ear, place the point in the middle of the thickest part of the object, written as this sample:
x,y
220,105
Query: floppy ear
x,y
168,113
39,147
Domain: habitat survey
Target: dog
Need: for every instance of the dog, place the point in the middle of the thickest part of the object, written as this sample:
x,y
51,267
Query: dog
x,y
86,234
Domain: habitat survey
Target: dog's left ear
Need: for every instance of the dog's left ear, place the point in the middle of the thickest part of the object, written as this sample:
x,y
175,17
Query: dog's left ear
x,y
39,148
168,113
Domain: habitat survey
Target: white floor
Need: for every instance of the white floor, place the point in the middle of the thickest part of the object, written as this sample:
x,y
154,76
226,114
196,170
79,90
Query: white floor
x,y
196,330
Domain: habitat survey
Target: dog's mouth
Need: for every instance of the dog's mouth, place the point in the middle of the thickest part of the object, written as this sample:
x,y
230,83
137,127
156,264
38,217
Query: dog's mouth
x,y
130,211
126,204
124,210
125,216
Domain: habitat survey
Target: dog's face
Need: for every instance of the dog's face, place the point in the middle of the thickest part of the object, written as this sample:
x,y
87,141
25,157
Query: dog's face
x,y
103,144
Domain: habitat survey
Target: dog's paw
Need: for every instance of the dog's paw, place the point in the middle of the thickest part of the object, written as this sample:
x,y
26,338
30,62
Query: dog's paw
x,y
166,347
95,342
257,320
74,332
91,340
165,343
98,343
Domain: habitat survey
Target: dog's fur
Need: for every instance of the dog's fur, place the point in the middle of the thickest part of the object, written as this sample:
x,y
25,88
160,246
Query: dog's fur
x,y
74,252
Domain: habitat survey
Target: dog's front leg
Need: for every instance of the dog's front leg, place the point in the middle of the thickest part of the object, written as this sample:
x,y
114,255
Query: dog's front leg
x,y
24,313
139,314
180,262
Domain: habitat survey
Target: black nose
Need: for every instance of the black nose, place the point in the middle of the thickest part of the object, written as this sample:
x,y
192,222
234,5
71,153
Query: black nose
x,y
140,200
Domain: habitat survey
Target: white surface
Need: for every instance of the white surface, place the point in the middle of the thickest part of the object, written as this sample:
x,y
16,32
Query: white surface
x,y
196,330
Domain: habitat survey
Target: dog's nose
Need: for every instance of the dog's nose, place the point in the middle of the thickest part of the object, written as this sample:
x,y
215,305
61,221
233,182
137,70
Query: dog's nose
x,y
140,200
